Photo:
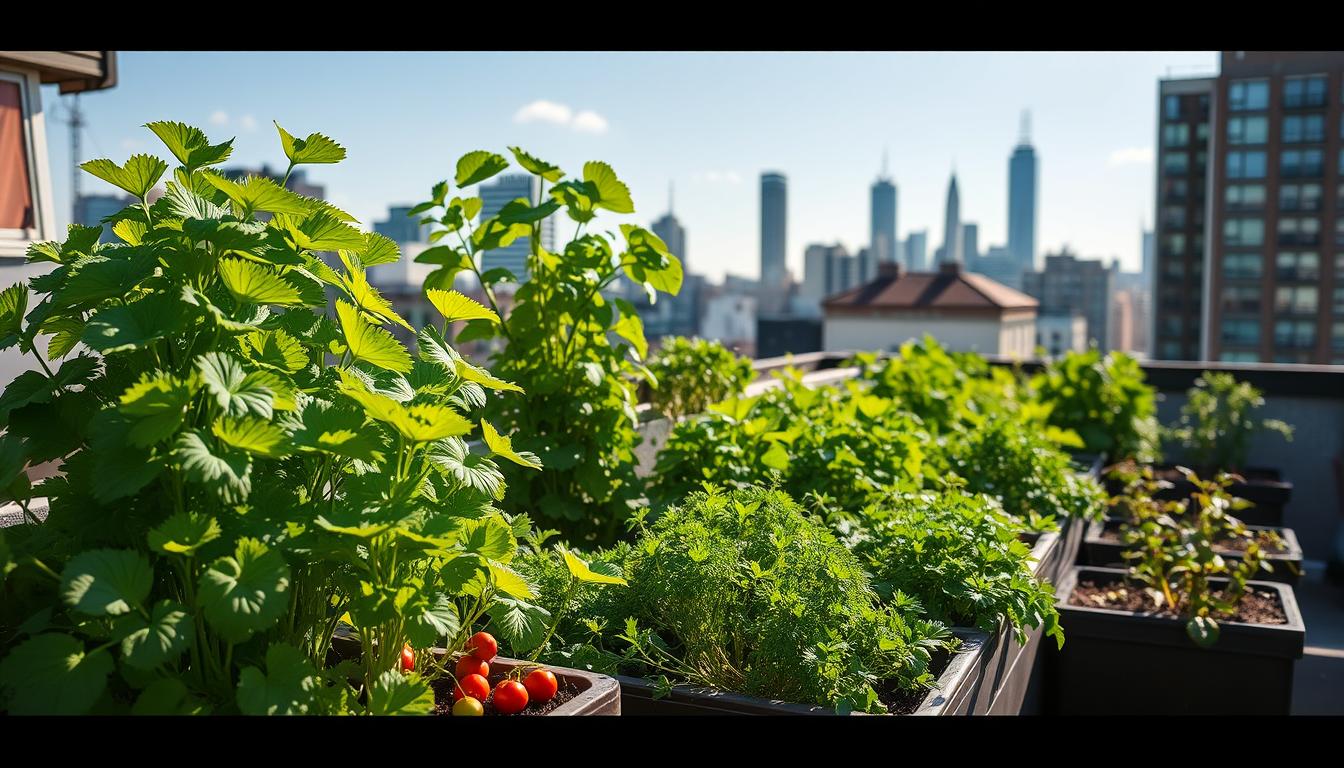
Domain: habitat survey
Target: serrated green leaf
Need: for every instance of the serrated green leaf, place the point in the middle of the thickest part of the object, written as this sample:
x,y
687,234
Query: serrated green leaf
x,y
226,472
183,534
396,694
146,644
580,570
137,176
510,581
13,305
455,306
520,624
288,686
611,192
436,620
51,674
121,328
106,582
537,166
190,145
158,402
483,377
475,167
245,593
253,283
370,343
252,435
314,149
503,446
238,393
275,349
379,249
259,193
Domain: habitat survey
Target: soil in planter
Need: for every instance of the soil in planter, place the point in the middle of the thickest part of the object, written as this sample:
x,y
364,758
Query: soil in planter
x,y
1256,607
903,702
1112,536
443,696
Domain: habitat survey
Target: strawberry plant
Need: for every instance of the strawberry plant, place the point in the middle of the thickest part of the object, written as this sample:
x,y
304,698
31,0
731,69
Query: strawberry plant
x,y
243,465
571,349
1216,424
689,375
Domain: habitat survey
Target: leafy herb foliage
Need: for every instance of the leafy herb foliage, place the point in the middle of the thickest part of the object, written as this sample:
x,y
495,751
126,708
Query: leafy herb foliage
x,y
1216,424
692,374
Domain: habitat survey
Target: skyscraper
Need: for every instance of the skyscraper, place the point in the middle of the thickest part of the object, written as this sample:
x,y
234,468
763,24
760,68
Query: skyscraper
x,y
672,233
951,250
774,213
1070,285
882,225
970,243
917,250
401,228
1146,262
494,196
1022,199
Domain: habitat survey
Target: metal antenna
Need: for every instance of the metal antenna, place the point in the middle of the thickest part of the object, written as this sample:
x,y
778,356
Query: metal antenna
x,y
884,162
76,123
1026,127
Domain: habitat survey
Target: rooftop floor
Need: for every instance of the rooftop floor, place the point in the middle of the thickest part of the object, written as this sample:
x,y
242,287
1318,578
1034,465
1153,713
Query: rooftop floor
x,y
1318,680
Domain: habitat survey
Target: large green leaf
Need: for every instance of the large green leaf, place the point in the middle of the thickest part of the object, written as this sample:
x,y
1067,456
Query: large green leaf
x,y
121,328
314,149
51,674
396,694
455,306
190,145
323,231
252,283
258,193
147,643
289,686
580,570
369,300
370,343
120,468
245,593
484,378
475,167
137,176
337,429
275,349
437,619
537,166
226,472
379,249
522,625
489,537
168,696
13,304
106,582
252,435
183,534
500,445
611,192
158,401
237,392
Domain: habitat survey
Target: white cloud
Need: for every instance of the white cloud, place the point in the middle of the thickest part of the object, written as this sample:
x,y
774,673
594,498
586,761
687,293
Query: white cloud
x,y
248,123
718,177
219,117
1131,156
544,111
588,121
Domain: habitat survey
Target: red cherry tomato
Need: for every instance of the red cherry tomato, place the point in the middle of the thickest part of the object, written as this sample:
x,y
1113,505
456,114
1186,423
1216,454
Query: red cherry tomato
x,y
482,645
407,658
541,685
470,665
475,686
510,697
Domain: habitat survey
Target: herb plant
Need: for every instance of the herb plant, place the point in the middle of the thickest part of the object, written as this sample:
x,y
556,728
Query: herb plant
x,y
1217,425
241,468
571,349
1174,549
1105,400
691,374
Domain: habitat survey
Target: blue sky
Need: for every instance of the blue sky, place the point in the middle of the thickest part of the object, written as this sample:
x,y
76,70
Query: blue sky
x,y
708,122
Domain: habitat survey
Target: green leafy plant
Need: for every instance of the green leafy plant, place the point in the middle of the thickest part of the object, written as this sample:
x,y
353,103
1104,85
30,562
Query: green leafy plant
x,y
1217,425
960,556
1104,400
692,374
572,350
1174,549
240,469
743,591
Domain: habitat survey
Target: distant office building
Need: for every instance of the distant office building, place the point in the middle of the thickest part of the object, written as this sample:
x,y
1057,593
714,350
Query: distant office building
x,y
951,249
970,243
1147,256
1135,292
1058,334
827,270
1177,271
999,265
401,227
1022,173
90,210
882,226
963,311
1070,285
917,251
774,232
494,196
673,234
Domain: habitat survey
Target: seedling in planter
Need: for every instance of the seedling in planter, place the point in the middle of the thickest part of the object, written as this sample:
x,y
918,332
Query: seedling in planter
x,y
1217,424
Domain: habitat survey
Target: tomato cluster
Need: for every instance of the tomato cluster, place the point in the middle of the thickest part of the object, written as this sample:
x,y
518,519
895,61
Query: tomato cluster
x,y
472,686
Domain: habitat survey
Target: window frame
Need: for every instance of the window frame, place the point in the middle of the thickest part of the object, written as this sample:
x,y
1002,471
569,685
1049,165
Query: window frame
x,y
14,242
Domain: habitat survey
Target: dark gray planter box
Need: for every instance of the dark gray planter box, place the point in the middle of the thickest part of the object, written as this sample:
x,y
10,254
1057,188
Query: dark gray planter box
x,y
955,694
1122,662
598,694
1106,553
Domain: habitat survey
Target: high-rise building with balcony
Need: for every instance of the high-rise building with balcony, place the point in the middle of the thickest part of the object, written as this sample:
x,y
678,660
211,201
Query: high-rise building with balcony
x,y
494,196
1271,258
1022,171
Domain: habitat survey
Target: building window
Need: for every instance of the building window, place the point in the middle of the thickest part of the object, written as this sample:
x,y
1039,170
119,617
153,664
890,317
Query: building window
x,y
1242,266
1240,197
1337,337
1176,135
1295,334
1173,245
1338,307
1171,107
1176,163
1171,350
1303,129
1174,269
1174,190
1248,95
1300,197
1239,357
1248,130
1241,332
1202,134
1173,217
1295,299
1299,163
1297,265
1305,91
1242,299
1243,232
1246,165
19,219
1299,231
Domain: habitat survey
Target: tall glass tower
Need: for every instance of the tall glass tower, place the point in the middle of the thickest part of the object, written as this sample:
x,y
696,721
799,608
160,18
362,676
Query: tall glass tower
x,y
951,250
774,199
1022,200
882,229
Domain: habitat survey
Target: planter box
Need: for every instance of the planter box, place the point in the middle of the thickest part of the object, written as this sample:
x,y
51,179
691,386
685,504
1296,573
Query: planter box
x,y
597,694
1104,552
954,695
1265,488
1122,662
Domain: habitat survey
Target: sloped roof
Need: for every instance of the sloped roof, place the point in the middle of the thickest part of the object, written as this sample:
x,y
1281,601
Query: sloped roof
x,y
949,288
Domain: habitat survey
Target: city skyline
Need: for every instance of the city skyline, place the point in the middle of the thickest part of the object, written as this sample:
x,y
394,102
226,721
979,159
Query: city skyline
x,y
1093,114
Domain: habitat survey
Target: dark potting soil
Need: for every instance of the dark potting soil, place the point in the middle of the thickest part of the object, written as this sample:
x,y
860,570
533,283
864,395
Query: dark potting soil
x,y
1112,536
1256,607
903,702
443,696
